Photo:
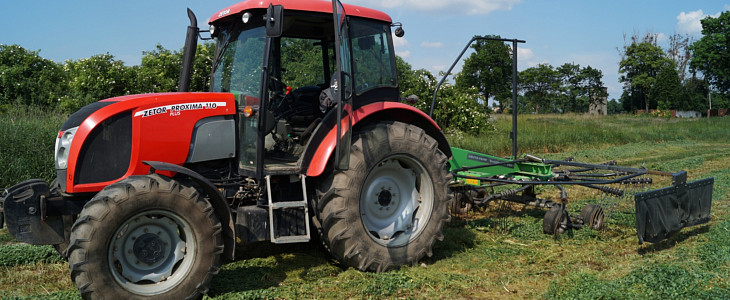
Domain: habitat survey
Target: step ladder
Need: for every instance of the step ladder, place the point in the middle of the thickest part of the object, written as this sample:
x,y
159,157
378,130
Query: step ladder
x,y
273,206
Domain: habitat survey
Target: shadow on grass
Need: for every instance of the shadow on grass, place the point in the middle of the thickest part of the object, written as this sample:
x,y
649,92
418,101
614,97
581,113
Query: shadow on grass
x,y
457,239
673,240
261,266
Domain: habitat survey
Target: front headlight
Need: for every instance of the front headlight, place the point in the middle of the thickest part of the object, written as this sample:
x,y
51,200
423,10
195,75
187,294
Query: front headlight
x,y
63,145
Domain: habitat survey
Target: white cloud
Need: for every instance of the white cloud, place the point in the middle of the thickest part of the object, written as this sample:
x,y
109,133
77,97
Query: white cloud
x,y
525,53
472,7
438,68
661,38
403,53
690,22
432,44
399,42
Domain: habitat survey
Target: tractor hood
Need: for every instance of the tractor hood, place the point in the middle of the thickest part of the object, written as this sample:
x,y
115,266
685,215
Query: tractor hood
x,y
108,140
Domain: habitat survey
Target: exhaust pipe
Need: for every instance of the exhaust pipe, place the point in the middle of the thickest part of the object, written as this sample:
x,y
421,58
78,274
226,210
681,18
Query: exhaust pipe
x,y
191,45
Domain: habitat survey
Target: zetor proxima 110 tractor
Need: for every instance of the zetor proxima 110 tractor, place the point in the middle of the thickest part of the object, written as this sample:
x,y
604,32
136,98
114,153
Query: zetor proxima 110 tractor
x,y
303,131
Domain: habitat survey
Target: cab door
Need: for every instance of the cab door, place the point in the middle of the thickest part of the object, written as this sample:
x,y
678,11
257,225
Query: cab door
x,y
342,86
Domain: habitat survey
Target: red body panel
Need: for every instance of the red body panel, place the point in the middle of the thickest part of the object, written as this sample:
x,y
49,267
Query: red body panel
x,y
304,5
162,127
327,146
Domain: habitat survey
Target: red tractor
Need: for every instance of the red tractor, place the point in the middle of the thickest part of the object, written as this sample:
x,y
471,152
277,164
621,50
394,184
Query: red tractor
x,y
303,133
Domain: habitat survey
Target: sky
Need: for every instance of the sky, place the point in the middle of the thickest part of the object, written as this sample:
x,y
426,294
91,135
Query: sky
x,y
583,32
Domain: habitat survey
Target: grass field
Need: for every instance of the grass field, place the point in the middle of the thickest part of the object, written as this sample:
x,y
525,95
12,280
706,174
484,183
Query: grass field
x,y
476,258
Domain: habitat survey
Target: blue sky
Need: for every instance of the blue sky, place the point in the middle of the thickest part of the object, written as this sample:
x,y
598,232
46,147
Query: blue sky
x,y
583,32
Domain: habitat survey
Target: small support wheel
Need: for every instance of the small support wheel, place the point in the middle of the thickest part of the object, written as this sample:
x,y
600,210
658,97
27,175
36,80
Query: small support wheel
x,y
462,203
592,215
556,220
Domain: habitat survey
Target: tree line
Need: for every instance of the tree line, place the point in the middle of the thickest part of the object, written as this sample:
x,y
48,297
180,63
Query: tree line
x,y
685,75
26,78
681,76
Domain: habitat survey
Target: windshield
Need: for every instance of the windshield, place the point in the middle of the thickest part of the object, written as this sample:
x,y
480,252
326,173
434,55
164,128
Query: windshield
x,y
239,60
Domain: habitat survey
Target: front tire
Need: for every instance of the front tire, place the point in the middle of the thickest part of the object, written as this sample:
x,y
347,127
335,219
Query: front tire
x,y
390,206
145,237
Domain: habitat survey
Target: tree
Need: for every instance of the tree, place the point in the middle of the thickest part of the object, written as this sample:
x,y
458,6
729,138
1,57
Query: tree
x,y
668,89
540,85
159,71
415,82
593,84
711,53
571,88
96,78
489,70
679,52
27,78
455,109
614,107
697,91
640,64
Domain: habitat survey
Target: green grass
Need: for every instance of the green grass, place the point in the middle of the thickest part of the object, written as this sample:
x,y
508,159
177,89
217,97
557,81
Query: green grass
x,y
557,134
485,257
29,136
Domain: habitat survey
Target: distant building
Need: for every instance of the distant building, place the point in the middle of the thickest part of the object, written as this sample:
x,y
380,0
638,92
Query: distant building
x,y
599,103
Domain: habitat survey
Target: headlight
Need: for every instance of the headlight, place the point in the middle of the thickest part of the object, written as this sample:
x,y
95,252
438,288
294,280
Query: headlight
x,y
63,145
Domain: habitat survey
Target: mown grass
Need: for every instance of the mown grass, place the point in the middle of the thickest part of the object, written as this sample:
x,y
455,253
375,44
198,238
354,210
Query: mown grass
x,y
486,257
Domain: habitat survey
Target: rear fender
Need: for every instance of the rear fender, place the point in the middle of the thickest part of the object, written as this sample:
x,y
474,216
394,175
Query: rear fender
x,y
220,206
322,145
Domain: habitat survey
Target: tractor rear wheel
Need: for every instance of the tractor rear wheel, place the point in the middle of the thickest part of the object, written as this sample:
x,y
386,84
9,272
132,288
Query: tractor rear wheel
x,y
145,237
390,206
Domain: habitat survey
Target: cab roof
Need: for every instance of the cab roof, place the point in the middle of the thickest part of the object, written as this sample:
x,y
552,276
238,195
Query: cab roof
x,y
301,5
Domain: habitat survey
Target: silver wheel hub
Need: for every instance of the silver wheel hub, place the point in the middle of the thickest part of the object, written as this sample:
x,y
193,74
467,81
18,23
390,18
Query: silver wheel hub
x,y
148,252
392,202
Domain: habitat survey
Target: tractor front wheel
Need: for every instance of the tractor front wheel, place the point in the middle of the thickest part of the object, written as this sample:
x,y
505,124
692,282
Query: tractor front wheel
x,y
390,206
145,237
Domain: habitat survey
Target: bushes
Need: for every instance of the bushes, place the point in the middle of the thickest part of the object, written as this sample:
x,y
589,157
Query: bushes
x,y
28,79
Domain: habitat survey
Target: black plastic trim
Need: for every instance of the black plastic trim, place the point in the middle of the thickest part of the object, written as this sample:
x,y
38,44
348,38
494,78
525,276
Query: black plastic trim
x,y
80,115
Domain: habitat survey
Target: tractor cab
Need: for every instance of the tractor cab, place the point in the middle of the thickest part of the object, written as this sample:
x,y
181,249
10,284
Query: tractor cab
x,y
291,71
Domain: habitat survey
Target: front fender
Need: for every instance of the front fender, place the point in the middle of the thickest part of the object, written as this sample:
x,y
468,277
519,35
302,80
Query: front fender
x,y
216,200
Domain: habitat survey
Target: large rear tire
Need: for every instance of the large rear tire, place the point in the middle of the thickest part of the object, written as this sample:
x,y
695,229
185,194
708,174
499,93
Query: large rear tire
x,y
390,206
145,237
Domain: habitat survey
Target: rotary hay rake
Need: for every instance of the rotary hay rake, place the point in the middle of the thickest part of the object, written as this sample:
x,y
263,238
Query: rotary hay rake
x,y
481,179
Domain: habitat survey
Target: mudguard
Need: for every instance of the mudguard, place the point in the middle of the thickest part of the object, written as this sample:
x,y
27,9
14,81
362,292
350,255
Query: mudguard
x,y
216,200
662,212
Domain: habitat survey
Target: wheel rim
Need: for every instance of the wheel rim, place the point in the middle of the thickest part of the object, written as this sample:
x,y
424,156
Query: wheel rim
x,y
396,200
152,252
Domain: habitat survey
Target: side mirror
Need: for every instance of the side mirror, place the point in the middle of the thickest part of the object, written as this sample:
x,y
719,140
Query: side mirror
x,y
274,20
